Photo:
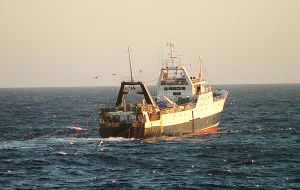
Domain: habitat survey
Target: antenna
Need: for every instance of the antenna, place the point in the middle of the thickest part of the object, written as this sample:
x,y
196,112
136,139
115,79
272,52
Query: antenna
x,y
171,54
131,73
140,74
158,60
201,77
162,59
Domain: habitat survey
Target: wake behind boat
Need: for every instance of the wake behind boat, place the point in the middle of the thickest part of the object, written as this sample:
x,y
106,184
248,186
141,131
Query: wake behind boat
x,y
183,104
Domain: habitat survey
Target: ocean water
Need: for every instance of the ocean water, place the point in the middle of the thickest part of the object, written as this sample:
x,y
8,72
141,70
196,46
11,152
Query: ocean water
x,y
49,140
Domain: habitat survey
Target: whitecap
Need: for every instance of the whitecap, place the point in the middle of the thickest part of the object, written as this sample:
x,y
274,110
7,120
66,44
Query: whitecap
x,y
62,153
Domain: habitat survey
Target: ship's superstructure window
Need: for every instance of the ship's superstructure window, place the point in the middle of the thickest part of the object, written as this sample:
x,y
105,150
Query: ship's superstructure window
x,y
174,88
173,77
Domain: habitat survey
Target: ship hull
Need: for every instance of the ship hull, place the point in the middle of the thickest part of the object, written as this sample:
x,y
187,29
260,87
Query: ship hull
x,y
197,125
137,130
131,130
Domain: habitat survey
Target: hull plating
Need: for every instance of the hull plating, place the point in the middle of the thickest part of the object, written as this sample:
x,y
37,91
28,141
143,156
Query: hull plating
x,y
137,130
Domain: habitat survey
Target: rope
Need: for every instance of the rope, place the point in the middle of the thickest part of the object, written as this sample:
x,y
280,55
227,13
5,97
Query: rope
x,y
150,81
151,75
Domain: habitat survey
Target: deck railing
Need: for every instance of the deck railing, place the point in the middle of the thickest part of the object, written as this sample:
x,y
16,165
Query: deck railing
x,y
220,96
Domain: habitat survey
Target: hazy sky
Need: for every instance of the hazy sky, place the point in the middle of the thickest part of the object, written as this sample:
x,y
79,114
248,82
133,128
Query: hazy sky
x,y
68,42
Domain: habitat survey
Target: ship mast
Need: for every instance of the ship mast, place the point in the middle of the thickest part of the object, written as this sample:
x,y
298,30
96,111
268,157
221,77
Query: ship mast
x,y
201,77
131,72
171,45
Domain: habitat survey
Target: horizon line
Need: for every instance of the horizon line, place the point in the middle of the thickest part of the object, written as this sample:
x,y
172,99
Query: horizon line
x,y
227,84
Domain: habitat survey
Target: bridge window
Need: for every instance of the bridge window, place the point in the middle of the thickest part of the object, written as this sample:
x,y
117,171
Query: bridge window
x,y
174,88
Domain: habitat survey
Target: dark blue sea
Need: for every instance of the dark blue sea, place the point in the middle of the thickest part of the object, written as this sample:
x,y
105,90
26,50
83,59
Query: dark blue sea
x,y
49,140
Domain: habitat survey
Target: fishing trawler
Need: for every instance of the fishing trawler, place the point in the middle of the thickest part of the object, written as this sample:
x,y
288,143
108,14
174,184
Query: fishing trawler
x,y
183,104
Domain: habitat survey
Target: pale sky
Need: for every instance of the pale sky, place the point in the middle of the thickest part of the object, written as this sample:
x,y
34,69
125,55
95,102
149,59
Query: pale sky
x,y
68,42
